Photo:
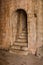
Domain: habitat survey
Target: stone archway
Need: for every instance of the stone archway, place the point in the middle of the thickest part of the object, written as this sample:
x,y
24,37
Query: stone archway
x,y
21,37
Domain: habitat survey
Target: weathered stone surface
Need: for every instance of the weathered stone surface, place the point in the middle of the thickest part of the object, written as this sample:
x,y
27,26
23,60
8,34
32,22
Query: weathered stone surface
x,y
8,22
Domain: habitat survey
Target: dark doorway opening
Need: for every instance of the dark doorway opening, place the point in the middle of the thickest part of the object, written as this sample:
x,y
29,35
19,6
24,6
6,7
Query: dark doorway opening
x,y
22,32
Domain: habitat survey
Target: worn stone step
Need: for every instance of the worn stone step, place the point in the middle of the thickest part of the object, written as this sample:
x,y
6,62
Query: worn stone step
x,y
23,33
20,52
20,44
22,36
19,48
21,40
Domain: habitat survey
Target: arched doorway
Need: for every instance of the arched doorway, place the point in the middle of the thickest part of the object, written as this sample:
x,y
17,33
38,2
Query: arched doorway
x,y
21,38
22,33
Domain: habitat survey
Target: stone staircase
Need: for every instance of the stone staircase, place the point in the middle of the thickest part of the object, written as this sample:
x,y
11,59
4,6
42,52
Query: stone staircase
x,y
21,43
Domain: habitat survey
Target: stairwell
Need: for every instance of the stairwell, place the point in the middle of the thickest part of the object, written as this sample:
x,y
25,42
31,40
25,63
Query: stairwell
x,y
21,43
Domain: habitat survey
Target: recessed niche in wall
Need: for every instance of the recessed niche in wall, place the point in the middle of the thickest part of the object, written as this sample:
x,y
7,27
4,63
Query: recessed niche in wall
x,y
22,34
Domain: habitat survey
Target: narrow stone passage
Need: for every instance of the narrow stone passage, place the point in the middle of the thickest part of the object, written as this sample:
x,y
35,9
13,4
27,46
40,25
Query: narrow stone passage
x,y
21,42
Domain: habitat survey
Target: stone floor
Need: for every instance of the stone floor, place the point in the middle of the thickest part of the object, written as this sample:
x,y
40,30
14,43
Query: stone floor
x,y
12,59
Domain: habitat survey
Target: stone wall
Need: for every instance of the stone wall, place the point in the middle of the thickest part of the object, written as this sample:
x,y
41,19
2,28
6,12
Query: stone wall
x,y
34,22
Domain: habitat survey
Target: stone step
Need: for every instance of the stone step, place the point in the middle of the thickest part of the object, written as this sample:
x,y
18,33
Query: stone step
x,y
24,31
20,44
19,52
22,36
21,40
19,48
